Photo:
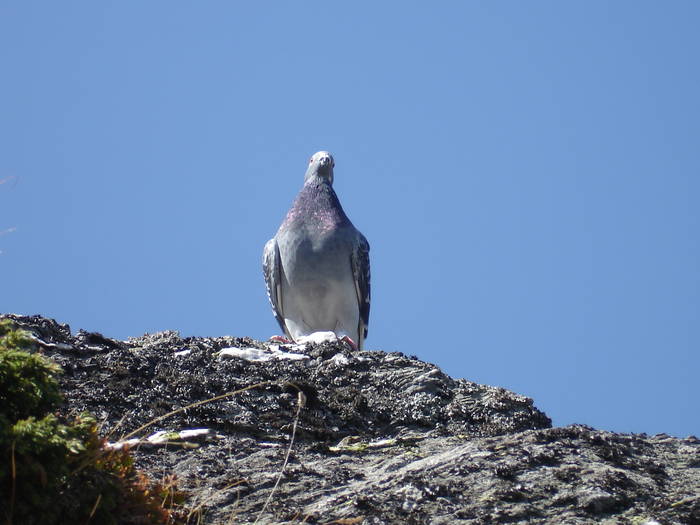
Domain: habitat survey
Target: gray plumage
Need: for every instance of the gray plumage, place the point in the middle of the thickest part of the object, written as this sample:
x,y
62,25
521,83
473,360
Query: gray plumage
x,y
317,265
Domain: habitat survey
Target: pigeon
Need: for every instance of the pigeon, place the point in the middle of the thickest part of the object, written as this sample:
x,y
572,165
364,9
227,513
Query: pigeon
x,y
316,267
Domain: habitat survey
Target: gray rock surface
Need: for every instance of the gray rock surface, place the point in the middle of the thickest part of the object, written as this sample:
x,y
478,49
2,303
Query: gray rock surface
x,y
381,437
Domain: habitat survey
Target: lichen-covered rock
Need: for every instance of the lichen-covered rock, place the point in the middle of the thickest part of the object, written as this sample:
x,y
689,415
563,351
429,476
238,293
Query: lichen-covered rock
x,y
380,438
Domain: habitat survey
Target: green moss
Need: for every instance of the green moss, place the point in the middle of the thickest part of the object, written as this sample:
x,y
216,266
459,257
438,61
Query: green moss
x,y
54,471
27,380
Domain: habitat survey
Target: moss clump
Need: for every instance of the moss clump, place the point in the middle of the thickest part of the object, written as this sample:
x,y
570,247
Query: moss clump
x,y
27,381
54,471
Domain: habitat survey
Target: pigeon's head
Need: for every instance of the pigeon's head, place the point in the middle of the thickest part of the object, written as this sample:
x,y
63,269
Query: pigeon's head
x,y
321,165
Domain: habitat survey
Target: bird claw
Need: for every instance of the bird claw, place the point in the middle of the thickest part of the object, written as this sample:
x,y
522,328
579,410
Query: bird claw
x,y
349,341
283,340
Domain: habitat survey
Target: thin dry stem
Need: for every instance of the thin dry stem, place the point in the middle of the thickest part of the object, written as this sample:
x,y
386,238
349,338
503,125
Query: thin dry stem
x,y
94,508
13,466
193,405
301,401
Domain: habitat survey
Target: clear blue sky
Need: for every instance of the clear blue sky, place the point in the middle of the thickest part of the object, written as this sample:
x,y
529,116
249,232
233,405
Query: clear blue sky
x,y
527,174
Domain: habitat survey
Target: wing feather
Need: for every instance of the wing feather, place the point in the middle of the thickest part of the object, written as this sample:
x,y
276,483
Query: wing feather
x,y
272,270
361,274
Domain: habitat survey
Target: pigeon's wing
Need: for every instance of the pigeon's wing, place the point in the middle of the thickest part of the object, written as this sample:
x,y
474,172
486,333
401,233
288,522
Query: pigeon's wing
x,y
272,270
360,272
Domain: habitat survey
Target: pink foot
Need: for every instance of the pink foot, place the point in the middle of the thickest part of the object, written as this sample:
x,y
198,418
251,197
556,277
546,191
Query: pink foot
x,y
349,341
280,339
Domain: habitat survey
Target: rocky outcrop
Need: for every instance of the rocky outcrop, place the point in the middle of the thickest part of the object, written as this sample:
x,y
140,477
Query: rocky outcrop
x,y
378,437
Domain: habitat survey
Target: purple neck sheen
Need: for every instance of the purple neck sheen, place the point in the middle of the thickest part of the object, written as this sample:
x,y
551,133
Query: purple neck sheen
x,y
318,206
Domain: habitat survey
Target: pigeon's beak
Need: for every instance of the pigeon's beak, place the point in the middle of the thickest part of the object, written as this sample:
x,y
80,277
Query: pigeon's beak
x,y
325,161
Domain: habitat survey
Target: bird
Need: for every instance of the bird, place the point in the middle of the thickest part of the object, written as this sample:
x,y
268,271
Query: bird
x,y
316,267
